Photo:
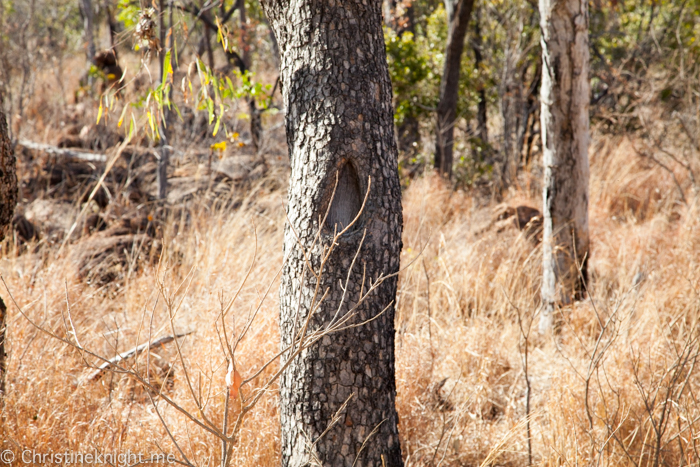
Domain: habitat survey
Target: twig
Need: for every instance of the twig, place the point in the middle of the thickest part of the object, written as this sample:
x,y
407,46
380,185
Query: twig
x,y
130,353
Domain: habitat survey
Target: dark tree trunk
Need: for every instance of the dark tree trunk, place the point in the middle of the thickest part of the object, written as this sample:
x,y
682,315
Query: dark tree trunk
x,y
162,173
245,43
481,114
409,130
8,199
207,45
8,176
459,12
255,120
339,121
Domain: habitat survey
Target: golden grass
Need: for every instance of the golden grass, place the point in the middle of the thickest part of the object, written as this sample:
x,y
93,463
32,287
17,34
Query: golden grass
x,y
617,386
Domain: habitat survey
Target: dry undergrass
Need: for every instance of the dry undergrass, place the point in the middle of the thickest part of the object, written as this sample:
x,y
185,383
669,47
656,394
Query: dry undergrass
x,y
460,375
616,387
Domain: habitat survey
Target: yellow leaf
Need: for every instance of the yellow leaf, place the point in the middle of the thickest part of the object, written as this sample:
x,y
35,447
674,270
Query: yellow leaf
x,y
220,146
99,113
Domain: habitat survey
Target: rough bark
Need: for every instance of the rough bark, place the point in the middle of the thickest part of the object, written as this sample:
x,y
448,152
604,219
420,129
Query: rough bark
x,y
459,12
565,96
8,176
8,199
339,121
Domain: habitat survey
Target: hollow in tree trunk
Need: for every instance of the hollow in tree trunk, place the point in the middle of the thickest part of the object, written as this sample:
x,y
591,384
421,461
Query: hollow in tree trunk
x,y
565,96
339,123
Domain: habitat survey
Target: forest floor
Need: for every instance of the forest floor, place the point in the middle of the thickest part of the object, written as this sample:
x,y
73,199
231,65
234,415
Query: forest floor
x,y
476,384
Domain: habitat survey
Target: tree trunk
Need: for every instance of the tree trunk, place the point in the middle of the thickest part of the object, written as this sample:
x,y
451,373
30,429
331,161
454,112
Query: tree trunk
x,y
245,43
162,173
565,96
89,21
459,12
481,114
408,132
112,26
339,121
8,176
8,199
255,119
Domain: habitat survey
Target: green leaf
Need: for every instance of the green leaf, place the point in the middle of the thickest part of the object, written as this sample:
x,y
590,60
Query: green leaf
x,y
167,68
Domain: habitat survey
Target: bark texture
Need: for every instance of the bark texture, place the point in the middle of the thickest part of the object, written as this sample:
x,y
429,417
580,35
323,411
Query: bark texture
x,y
8,176
458,12
565,97
339,122
8,199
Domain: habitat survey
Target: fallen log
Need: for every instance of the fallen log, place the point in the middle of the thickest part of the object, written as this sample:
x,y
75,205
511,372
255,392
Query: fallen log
x,y
63,152
95,375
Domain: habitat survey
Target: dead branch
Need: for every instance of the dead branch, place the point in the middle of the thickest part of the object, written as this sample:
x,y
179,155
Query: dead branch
x,y
95,375
63,152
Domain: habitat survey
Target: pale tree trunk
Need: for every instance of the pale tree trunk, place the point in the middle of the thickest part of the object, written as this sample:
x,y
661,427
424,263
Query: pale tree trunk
x,y
89,21
565,96
339,119
458,12
8,199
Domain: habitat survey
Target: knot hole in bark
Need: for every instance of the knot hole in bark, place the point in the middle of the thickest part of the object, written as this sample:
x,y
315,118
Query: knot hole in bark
x,y
347,202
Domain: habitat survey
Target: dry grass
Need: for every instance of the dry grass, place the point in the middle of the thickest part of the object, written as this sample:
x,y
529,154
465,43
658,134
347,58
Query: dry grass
x,y
617,386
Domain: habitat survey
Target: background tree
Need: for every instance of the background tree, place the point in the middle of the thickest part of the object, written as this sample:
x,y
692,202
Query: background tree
x,y
89,21
565,97
8,199
339,127
458,14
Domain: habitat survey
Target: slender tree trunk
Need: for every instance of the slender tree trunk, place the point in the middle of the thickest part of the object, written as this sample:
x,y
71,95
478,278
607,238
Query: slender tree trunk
x,y
255,119
207,45
8,175
8,199
339,121
565,97
511,90
409,130
112,26
459,12
89,21
245,44
481,114
162,173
